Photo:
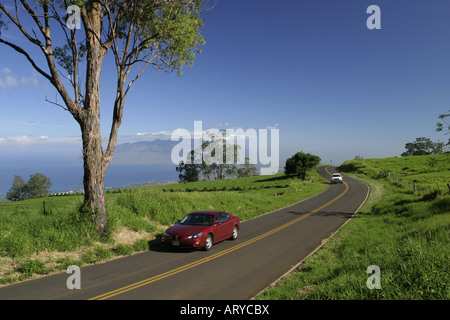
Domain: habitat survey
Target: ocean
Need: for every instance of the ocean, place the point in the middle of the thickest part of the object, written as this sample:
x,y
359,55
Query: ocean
x,y
70,177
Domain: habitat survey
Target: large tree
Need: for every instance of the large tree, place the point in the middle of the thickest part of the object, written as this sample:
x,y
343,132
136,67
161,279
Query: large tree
x,y
164,34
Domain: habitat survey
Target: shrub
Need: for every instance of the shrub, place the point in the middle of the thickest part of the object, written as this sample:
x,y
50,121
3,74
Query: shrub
x,y
123,250
32,266
103,253
141,245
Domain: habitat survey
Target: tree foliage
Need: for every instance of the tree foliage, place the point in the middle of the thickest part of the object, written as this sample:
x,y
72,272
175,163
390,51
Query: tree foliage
x,y
18,190
37,186
443,125
216,163
423,146
188,172
300,163
246,170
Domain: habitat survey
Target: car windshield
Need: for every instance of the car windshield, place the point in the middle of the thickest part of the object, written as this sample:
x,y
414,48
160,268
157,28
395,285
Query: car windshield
x,y
336,175
194,219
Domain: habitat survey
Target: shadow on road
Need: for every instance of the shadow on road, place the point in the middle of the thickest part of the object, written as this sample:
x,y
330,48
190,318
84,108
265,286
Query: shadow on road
x,y
156,245
344,215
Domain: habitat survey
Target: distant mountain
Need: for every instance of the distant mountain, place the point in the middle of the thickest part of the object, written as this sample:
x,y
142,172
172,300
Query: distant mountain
x,y
148,153
144,152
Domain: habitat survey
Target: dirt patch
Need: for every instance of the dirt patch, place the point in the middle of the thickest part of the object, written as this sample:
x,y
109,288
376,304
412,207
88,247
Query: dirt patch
x,y
55,255
129,237
305,290
6,265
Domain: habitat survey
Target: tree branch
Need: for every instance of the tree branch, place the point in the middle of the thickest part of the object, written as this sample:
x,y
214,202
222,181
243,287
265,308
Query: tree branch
x,y
53,77
56,103
113,26
23,52
20,27
45,31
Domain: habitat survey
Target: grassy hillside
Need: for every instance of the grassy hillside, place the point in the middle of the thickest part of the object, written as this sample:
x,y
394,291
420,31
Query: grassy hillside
x,y
404,232
36,242
430,173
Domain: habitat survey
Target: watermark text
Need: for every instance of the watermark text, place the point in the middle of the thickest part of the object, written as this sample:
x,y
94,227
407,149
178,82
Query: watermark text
x,y
234,148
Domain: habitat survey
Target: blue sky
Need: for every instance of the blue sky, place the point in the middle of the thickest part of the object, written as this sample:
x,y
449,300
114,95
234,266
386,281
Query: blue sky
x,y
312,69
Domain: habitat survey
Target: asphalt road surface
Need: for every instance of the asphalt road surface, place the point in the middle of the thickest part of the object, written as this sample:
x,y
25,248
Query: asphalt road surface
x,y
267,247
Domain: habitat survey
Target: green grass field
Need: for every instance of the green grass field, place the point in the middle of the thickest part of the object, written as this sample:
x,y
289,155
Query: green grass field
x,y
36,242
404,232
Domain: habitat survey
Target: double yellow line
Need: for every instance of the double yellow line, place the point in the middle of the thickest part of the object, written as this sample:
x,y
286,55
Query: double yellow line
x,y
214,256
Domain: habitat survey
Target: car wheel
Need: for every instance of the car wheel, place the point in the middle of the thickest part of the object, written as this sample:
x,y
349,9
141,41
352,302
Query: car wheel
x,y
235,233
208,242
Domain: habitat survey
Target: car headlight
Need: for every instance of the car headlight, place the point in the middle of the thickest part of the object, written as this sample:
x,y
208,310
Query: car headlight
x,y
195,235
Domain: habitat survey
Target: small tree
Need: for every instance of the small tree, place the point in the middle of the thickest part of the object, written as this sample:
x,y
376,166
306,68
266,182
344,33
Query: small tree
x,y
38,185
300,163
444,125
18,190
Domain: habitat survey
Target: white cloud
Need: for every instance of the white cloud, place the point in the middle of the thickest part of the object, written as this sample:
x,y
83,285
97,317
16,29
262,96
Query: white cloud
x,y
31,81
145,136
27,140
19,139
9,80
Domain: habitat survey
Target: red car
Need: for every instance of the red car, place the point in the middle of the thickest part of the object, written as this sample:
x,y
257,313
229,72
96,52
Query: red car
x,y
202,229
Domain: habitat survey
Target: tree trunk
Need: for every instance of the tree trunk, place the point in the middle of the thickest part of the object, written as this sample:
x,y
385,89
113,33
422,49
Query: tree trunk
x,y
93,156
94,171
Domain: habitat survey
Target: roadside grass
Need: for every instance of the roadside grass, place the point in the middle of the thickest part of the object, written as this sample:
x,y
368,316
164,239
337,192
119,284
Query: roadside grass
x,y
34,242
405,233
244,197
430,173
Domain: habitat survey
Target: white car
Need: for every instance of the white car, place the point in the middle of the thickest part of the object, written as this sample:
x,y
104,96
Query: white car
x,y
336,178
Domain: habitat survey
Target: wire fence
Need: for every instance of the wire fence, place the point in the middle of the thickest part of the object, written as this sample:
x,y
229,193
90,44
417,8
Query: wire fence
x,y
419,186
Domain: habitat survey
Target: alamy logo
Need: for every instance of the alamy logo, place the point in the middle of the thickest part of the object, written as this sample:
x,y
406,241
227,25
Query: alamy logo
x,y
74,281
258,146
374,281
374,21
73,19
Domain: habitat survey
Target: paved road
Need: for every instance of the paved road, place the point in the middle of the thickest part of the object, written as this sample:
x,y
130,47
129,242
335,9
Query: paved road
x,y
266,248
